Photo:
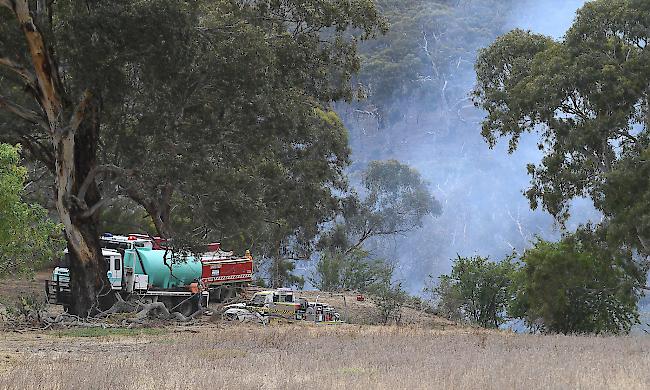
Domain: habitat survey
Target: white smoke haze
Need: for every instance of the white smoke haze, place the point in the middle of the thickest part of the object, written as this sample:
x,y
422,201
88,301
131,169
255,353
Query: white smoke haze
x,y
484,209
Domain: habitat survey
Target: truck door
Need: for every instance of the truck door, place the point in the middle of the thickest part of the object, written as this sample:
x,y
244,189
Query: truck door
x,y
115,271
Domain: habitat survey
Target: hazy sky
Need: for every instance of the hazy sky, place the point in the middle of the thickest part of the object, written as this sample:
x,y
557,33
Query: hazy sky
x,y
551,17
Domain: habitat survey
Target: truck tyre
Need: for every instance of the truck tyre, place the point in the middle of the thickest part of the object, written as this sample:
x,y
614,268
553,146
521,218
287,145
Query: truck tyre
x,y
188,306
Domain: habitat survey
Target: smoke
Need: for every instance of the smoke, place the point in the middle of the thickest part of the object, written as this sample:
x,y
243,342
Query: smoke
x,y
551,17
484,209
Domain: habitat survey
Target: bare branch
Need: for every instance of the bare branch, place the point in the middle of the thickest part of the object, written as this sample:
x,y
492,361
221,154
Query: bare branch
x,y
96,207
23,112
99,169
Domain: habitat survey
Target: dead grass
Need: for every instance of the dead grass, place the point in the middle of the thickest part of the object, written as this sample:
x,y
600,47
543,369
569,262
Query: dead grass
x,y
307,356
109,332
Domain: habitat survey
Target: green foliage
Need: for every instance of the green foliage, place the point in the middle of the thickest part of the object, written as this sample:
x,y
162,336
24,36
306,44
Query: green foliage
x,y
587,98
396,200
477,290
281,274
626,200
578,285
397,196
389,297
352,271
216,112
28,238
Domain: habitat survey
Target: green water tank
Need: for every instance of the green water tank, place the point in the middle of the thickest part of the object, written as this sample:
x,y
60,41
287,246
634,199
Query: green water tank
x,y
151,262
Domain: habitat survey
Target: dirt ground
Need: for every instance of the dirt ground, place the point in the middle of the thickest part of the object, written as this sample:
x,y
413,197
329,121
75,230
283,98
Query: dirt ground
x,y
308,356
12,288
365,312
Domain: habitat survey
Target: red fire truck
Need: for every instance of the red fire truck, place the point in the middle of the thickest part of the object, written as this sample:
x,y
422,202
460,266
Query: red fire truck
x,y
224,274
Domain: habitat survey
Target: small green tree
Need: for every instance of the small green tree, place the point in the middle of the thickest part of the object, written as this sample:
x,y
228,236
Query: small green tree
x,y
281,273
389,297
395,200
577,285
27,237
477,290
336,271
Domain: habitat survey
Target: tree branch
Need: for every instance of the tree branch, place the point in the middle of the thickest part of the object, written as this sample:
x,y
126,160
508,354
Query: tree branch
x,y
23,112
96,207
80,111
27,76
40,151
46,71
96,171
626,135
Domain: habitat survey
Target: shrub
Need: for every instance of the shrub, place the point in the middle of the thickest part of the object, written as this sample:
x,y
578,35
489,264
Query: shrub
x,y
477,291
578,285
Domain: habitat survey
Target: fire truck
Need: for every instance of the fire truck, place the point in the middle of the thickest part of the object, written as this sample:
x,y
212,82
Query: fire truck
x,y
281,305
224,274
182,283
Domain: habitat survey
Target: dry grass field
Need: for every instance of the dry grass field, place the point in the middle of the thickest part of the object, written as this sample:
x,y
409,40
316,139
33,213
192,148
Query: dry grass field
x,y
318,357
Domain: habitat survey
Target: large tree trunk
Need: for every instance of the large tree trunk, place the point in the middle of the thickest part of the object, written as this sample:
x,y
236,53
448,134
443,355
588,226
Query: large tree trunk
x,y
75,149
75,153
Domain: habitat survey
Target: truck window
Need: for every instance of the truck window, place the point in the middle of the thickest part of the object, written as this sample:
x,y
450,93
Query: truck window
x,y
117,263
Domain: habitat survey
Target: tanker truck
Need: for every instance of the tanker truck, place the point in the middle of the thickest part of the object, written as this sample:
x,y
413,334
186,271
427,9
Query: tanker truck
x,y
153,275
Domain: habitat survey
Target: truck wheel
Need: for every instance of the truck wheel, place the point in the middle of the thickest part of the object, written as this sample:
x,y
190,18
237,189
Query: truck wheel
x,y
227,294
189,307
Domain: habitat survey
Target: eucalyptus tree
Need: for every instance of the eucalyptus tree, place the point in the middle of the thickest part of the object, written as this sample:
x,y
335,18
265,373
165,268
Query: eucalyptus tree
x,y
394,200
586,96
163,101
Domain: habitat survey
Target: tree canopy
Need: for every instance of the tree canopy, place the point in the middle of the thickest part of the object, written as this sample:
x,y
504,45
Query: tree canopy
x,y
426,55
394,199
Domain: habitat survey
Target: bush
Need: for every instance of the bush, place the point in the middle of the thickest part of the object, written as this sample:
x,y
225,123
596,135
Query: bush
x,y
477,291
578,285
354,271
389,298
28,238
